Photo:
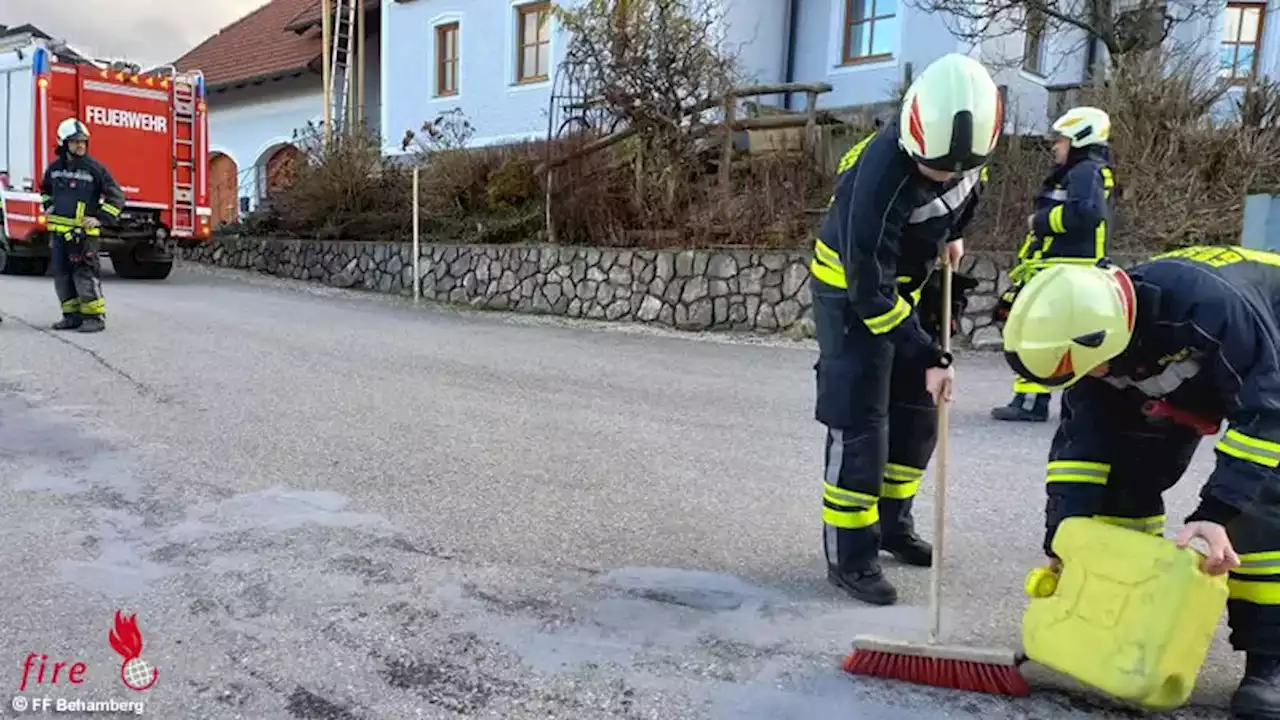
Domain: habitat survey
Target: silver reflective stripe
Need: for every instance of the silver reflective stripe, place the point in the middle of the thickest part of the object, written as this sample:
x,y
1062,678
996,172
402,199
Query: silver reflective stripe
x,y
946,203
835,456
1170,379
1228,441
1056,194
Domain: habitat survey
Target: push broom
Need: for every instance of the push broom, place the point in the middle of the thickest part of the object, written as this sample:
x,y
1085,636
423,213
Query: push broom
x,y
989,670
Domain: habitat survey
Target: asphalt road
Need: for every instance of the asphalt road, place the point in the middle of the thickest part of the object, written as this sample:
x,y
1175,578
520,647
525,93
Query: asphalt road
x,y
336,506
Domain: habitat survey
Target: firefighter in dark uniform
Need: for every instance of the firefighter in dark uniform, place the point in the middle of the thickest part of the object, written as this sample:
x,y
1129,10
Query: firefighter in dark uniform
x,y
79,196
1071,224
909,189
1152,360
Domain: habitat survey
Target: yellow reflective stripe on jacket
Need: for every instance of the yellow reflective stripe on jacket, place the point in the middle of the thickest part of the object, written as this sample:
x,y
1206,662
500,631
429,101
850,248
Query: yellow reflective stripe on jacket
x,y
1055,220
847,509
1252,449
1151,525
901,482
1257,580
1078,471
79,211
886,322
110,209
826,265
848,159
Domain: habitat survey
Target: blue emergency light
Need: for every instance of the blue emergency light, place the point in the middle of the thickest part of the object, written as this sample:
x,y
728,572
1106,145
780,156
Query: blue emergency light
x,y
40,61
200,87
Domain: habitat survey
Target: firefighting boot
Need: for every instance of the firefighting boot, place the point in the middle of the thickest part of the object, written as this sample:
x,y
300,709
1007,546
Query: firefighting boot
x,y
869,585
91,324
69,321
1024,408
1258,697
899,537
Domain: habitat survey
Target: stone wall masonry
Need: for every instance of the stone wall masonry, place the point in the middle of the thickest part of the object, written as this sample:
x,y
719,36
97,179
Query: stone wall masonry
x,y
686,289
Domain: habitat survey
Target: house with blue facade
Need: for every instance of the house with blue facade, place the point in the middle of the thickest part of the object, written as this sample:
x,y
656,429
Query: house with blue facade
x,y
496,61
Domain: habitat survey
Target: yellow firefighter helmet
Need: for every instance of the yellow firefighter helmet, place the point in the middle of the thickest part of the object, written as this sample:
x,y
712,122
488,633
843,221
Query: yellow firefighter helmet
x,y
1067,321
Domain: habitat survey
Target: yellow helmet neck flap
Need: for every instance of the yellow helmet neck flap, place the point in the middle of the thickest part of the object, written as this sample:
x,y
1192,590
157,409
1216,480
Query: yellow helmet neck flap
x,y
1067,321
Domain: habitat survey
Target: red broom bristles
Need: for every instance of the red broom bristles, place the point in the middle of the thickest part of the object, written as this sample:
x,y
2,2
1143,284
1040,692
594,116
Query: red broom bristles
x,y
957,674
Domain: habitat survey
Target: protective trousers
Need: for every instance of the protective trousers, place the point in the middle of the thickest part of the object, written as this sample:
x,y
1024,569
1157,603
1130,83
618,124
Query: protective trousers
x,y
76,276
881,431
1145,460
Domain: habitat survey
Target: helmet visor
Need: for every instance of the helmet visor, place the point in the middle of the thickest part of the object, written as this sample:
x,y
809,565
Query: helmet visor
x,y
1060,379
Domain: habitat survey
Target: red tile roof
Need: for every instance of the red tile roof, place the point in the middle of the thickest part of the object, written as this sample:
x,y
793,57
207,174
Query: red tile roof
x,y
310,15
256,46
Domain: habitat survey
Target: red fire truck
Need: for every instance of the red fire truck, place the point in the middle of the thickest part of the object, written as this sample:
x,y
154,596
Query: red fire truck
x,y
150,129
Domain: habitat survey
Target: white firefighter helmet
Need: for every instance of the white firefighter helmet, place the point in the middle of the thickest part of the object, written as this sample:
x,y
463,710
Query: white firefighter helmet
x,y
1084,126
951,115
72,129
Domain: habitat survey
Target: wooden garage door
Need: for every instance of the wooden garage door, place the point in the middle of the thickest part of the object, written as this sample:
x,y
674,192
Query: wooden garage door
x,y
224,189
281,168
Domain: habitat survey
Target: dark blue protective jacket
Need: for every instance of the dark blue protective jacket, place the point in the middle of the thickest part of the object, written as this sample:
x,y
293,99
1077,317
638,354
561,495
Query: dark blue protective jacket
x,y
1206,341
1073,212
883,233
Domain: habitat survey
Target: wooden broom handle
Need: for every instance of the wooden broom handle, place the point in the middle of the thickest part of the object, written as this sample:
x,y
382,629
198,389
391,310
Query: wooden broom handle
x,y
940,471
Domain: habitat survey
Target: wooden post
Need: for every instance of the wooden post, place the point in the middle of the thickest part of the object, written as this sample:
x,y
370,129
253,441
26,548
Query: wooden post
x,y
726,155
326,60
811,121
417,240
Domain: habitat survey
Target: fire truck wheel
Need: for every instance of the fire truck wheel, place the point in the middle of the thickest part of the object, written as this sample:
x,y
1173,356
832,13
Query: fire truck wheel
x,y
34,266
130,268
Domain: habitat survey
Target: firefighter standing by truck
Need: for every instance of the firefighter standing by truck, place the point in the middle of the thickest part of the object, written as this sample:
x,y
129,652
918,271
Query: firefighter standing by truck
x,y
1151,361
1071,224
879,372
79,195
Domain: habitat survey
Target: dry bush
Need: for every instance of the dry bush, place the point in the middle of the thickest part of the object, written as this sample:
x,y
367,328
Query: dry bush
x,y
1185,155
347,190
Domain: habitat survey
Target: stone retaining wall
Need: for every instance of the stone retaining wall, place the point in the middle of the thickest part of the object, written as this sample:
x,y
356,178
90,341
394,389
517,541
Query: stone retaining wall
x,y
685,289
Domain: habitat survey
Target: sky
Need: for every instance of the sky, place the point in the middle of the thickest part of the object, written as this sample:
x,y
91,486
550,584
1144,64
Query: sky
x,y
148,32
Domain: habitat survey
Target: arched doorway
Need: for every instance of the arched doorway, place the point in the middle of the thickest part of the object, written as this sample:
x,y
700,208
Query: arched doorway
x,y
224,189
282,167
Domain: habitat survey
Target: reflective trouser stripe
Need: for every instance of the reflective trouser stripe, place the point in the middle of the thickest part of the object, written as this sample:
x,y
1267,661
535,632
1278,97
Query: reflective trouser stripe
x,y
1078,471
66,227
848,510
1152,524
1026,387
71,306
1055,220
901,482
1249,448
93,307
1257,580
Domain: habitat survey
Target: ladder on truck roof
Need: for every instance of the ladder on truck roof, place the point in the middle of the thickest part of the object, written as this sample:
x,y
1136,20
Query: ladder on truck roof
x,y
184,157
343,54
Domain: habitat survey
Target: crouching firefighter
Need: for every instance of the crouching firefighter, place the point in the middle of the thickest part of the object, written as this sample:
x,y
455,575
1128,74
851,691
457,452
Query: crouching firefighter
x,y
1152,360
1071,224
79,196
910,189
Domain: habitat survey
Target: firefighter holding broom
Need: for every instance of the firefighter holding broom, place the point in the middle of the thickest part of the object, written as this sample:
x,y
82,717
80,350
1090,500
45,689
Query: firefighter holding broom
x,y
78,194
1152,360
880,372
1071,224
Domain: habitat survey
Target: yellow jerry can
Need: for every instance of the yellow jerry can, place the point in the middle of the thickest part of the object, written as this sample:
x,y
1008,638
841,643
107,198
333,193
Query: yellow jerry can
x,y
1131,614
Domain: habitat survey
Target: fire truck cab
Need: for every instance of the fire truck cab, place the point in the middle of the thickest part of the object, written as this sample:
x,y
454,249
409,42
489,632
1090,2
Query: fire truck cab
x,y
150,130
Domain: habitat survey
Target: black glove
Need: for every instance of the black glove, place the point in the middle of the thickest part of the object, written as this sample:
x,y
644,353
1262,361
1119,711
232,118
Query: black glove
x,y
76,243
1000,312
930,307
